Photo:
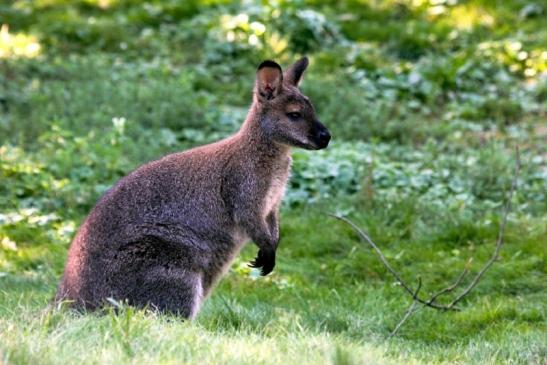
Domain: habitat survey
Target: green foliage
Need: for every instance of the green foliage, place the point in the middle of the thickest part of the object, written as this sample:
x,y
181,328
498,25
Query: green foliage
x,y
425,101
85,94
444,176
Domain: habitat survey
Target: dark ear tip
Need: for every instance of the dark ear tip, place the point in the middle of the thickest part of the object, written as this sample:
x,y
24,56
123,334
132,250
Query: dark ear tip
x,y
305,61
269,63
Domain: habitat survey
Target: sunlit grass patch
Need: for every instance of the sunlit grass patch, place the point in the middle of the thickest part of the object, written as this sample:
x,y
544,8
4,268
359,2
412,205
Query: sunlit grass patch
x,y
18,44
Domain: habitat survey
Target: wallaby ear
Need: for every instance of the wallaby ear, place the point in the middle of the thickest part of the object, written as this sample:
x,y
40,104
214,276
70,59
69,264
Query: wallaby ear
x,y
293,75
269,80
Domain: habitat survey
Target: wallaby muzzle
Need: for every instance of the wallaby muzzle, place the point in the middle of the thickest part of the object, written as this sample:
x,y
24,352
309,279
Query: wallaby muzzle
x,y
321,136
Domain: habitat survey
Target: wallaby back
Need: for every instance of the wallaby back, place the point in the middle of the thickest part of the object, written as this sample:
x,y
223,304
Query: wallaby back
x,y
165,233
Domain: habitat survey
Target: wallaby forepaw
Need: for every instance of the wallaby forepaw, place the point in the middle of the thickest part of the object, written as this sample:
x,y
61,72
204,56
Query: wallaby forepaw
x,y
265,260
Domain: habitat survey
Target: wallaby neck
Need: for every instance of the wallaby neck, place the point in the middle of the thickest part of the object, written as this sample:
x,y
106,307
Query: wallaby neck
x,y
253,137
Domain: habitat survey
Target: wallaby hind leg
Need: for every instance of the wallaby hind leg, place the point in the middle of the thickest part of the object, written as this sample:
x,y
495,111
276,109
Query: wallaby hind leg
x,y
169,290
157,273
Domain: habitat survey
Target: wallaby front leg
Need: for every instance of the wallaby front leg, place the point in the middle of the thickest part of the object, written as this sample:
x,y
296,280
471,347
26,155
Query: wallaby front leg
x,y
259,231
265,258
273,225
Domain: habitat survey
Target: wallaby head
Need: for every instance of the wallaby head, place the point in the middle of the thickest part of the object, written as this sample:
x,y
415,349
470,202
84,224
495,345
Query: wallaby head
x,y
285,115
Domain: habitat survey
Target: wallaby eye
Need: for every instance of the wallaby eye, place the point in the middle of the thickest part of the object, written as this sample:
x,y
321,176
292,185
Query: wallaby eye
x,y
294,115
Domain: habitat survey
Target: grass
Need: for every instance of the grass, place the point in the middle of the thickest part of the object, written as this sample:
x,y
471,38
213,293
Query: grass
x,y
329,301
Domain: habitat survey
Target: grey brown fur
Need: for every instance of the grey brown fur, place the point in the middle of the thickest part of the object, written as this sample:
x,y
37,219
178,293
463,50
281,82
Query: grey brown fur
x,y
164,234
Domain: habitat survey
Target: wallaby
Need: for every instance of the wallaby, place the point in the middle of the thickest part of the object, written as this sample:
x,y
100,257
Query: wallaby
x,y
164,234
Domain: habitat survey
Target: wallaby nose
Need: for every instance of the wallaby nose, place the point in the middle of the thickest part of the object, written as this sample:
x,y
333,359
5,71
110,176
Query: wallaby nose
x,y
324,138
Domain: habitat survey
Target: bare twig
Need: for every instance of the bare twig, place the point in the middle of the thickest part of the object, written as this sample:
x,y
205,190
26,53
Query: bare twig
x,y
499,243
453,286
410,311
431,302
367,239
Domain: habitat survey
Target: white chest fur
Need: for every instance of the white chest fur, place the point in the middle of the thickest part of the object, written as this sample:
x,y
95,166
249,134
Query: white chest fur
x,y
276,190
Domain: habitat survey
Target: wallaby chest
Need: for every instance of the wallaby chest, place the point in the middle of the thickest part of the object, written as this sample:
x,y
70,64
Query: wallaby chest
x,y
276,189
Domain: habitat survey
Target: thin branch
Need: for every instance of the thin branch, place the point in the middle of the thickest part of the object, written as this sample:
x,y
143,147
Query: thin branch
x,y
367,239
499,242
431,301
410,311
453,286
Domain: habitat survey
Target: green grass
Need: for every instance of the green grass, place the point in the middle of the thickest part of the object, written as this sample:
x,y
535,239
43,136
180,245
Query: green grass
x,y
329,301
